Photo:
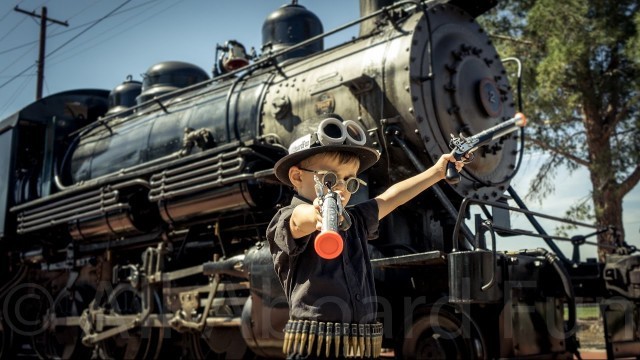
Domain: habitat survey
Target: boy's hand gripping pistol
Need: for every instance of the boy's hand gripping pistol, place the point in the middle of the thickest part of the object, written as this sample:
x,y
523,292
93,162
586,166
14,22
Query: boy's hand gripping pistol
x,y
463,146
329,243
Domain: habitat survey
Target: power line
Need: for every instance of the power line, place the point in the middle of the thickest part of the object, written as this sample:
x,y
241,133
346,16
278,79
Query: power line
x,y
9,12
18,59
84,9
23,45
43,39
88,28
67,42
16,76
12,29
93,41
74,28
16,93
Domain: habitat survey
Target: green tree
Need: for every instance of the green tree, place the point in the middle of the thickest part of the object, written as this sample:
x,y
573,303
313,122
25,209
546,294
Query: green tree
x,y
581,90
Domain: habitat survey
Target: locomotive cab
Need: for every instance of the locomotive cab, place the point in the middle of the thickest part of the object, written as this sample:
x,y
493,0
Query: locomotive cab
x,y
34,142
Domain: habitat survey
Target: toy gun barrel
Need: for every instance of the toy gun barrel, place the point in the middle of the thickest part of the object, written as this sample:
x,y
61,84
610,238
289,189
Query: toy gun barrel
x,y
329,243
499,130
468,145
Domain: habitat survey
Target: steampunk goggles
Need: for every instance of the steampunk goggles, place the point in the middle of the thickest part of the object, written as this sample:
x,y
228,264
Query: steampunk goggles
x,y
330,180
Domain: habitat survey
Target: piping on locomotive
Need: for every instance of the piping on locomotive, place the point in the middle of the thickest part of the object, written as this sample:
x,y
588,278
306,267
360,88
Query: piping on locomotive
x,y
132,224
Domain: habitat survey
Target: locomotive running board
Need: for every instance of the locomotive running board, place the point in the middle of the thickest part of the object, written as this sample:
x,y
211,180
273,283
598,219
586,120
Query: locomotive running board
x,y
404,261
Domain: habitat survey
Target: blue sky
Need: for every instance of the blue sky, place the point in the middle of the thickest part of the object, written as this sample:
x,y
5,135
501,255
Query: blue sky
x,y
142,33
136,36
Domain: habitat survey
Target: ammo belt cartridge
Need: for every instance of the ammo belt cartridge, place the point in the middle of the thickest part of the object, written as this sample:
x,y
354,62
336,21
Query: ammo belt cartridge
x,y
316,339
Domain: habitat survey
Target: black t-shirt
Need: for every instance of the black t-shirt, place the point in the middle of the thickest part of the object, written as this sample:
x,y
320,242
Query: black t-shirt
x,y
336,290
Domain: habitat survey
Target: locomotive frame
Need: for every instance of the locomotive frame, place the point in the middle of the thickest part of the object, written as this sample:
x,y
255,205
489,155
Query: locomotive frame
x,y
135,231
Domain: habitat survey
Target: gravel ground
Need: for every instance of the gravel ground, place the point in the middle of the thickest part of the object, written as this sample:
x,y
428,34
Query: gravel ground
x,y
591,334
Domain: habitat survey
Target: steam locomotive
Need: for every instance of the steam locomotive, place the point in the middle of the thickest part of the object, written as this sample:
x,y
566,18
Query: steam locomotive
x,y
132,222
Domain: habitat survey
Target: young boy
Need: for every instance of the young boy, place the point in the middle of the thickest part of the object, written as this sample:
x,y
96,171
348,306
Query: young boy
x,y
332,305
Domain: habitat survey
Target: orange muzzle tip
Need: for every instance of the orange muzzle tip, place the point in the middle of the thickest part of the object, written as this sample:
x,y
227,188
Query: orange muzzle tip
x,y
523,119
328,245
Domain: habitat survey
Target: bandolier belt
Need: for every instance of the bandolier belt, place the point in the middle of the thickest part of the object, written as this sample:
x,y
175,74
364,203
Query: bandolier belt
x,y
327,339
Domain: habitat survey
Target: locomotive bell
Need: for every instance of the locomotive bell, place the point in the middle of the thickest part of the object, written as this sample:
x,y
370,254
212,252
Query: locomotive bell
x,y
290,25
234,56
124,95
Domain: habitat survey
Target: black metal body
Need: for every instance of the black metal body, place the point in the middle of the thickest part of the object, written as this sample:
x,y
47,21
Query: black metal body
x,y
139,233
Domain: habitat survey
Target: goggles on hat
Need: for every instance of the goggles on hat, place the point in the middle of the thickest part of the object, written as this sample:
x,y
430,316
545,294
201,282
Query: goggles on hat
x,y
330,180
331,131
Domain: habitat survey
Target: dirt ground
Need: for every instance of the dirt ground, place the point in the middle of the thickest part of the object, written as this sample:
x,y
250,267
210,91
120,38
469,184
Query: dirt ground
x,y
591,337
591,334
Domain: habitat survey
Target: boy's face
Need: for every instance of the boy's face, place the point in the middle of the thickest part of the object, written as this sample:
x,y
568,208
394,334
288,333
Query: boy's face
x,y
304,182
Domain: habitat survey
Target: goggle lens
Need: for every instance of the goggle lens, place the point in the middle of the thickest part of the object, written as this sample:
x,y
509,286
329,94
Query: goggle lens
x,y
352,185
330,179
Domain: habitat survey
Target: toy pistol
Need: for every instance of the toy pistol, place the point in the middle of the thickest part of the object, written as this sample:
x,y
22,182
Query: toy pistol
x,y
467,145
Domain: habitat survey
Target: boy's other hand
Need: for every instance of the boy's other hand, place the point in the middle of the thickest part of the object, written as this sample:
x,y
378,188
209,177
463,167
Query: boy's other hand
x,y
318,213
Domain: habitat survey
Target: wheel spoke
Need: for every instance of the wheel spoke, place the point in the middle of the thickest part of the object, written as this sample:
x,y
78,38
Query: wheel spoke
x,y
135,343
62,341
439,334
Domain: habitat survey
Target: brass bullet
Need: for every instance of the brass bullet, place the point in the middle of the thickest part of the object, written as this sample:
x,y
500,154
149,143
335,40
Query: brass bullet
x,y
298,335
360,352
328,338
345,339
321,328
353,340
367,340
312,336
304,336
286,338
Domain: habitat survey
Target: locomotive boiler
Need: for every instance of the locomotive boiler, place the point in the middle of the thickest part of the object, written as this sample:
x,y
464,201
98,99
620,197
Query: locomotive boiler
x,y
132,222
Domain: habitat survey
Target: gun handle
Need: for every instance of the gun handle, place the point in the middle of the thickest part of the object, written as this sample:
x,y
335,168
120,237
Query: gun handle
x,y
452,175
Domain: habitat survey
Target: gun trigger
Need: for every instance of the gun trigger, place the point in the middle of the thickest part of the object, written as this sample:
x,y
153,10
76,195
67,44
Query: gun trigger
x,y
346,223
470,158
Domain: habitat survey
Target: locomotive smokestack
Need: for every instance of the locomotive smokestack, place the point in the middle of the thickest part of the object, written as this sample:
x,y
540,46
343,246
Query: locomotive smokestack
x,y
366,8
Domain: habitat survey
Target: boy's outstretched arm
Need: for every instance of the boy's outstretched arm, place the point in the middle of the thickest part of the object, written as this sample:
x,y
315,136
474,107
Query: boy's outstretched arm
x,y
305,219
407,189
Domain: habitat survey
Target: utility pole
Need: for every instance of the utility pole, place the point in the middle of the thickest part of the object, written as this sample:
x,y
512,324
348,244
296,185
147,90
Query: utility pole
x,y
43,38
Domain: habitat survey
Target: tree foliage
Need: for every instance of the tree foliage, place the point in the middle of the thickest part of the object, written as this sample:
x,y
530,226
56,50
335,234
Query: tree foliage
x,y
582,93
